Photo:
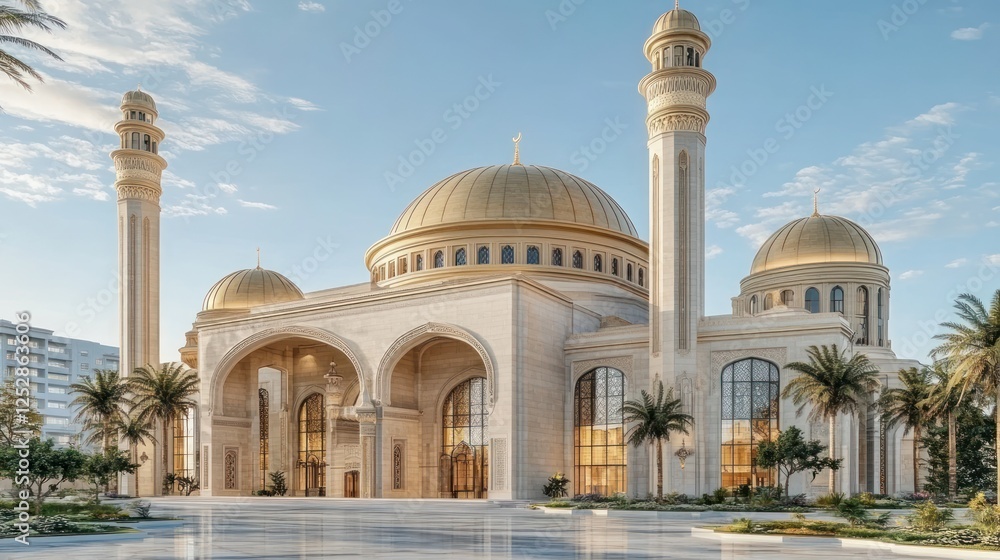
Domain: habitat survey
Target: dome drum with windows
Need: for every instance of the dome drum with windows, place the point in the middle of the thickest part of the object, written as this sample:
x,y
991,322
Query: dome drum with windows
x,y
512,219
821,264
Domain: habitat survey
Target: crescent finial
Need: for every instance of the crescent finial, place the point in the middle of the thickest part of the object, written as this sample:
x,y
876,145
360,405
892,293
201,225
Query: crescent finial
x,y
517,149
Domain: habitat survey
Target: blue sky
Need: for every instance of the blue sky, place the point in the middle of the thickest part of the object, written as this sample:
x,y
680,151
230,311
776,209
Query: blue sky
x,y
286,120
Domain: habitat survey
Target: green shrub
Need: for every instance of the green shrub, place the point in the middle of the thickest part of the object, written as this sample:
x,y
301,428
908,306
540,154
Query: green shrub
x,y
278,486
720,495
742,525
986,517
556,486
141,509
852,511
928,517
867,499
831,500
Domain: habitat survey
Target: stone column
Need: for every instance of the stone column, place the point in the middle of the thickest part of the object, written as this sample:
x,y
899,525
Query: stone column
x,y
369,482
334,394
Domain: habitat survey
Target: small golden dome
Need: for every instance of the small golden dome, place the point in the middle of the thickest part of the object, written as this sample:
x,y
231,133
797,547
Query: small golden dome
x,y
676,19
138,97
514,193
244,289
817,239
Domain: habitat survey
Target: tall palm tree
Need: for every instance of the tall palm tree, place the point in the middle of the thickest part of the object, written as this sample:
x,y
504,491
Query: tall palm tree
x,y
943,398
101,403
973,350
908,406
14,20
135,432
655,419
833,384
163,394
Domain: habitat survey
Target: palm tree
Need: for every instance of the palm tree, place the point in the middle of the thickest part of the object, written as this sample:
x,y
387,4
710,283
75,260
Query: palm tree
x,y
832,384
134,432
972,348
101,402
943,398
655,420
163,394
14,20
907,405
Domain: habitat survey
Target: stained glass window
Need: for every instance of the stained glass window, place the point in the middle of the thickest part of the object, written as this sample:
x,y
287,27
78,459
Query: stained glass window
x,y
577,259
749,417
263,417
507,255
398,472
557,257
534,257
812,300
460,259
231,469
599,433
439,259
466,433
483,256
312,446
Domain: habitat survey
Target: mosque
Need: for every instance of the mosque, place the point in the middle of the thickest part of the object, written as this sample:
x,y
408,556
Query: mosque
x,y
511,311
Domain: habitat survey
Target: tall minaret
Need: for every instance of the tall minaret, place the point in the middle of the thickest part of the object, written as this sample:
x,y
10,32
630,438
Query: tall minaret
x,y
676,92
138,170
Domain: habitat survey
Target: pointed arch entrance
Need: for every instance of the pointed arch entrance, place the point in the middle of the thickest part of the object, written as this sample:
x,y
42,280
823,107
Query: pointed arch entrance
x,y
465,450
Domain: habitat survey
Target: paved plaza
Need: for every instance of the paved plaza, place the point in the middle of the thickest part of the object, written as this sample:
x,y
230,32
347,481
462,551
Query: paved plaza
x,y
274,528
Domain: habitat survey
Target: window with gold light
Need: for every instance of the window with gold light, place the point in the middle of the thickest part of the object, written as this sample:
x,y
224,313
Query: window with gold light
x,y
599,433
749,417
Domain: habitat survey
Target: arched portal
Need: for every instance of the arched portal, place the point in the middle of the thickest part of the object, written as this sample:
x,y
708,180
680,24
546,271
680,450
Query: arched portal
x,y
599,433
464,446
311,463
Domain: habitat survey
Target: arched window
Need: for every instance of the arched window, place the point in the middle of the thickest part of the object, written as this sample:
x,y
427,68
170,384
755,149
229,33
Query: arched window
x,y
768,302
787,298
557,257
598,263
419,265
398,466
534,256
312,446
131,115
483,255
263,419
599,433
460,259
507,255
749,417
642,277
881,318
154,147
614,267
628,273
753,305
577,259
231,470
142,116
439,259
862,313
812,300
464,448
135,141
184,444
145,143
837,300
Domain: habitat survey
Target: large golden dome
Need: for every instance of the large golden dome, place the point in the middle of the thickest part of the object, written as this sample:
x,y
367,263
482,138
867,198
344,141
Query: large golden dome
x,y
244,289
514,193
817,239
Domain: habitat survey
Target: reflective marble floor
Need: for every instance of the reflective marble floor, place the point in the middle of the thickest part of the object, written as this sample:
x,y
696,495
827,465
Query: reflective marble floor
x,y
274,528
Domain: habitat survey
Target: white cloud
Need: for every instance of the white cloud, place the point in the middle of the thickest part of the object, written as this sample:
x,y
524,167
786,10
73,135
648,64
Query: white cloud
x,y
712,251
257,205
911,274
957,263
940,115
714,199
312,7
228,188
992,259
193,205
969,33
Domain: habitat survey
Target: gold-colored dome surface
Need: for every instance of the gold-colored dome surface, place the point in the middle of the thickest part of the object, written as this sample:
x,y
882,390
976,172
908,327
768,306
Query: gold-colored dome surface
x,y
514,193
138,97
817,239
244,289
676,19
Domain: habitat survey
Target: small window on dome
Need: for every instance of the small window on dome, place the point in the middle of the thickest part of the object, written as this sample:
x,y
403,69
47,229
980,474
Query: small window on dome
x,y
812,300
402,265
628,272
507,255
614,267
439,259
534,257
392,270
787,298
419,263
460,259
557,257
598,263
577,259
768,302
484,256
642,277
753,305
837,300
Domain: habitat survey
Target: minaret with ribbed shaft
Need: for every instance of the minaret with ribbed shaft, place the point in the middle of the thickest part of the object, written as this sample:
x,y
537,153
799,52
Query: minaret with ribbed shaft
x,y
676,93
138,168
